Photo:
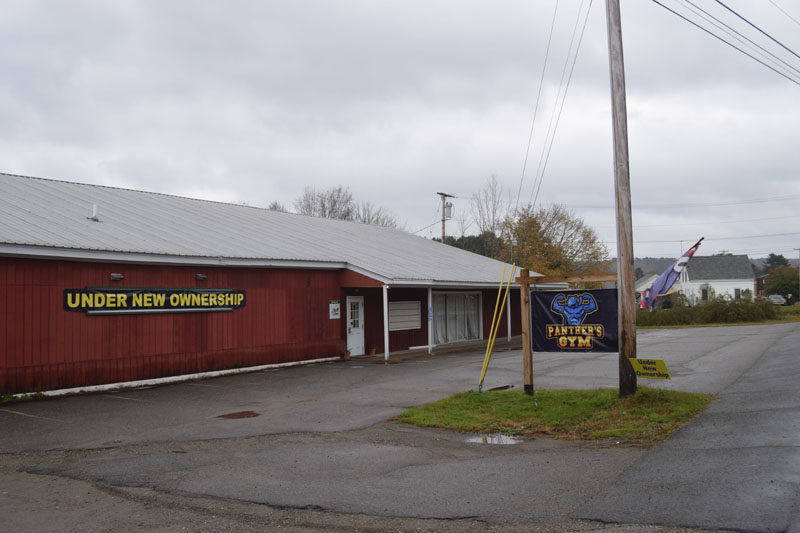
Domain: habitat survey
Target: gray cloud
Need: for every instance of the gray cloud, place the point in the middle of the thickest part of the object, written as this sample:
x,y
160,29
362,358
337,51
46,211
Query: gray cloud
x,y
253,101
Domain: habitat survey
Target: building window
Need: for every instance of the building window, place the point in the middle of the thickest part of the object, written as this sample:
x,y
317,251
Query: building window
x,y
737,293
704,296
404,315
456,317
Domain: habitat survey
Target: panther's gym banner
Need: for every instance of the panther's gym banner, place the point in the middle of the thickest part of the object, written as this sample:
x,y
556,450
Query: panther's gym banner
x,y
574,321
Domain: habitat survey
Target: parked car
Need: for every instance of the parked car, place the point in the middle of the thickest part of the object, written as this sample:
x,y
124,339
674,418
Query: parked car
x,y
776,299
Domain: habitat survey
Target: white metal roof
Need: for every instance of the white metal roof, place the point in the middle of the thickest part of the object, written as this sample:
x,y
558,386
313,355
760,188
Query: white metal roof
x,y
49,218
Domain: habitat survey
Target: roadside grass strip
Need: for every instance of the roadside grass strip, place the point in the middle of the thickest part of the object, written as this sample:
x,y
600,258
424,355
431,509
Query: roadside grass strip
x,y
646,418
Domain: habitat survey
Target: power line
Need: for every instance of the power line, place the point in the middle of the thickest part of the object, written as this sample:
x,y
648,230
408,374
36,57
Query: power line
x,y
770,37
685,206
706,223
426,227
543,159
784,12
717,238
536,107
741,37
726,42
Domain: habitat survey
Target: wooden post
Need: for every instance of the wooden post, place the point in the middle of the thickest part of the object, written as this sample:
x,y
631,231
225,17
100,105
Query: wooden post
x,y
625,272
524,281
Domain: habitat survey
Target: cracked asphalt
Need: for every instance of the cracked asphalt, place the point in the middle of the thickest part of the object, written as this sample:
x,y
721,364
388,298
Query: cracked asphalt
x,y
323,453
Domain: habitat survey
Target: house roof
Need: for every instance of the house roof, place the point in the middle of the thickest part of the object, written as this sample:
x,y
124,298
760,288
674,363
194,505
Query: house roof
x,y
645,282
717,267
49,218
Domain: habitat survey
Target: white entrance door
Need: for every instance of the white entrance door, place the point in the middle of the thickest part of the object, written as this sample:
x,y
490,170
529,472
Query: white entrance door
x,y
355,325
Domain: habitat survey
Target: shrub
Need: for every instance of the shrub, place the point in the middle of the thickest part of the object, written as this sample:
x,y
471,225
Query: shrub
x,y
717,311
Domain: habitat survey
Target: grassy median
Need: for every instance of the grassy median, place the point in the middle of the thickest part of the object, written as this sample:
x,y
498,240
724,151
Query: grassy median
x,y
646,418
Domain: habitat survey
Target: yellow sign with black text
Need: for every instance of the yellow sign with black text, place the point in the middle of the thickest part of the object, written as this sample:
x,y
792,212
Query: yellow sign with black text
x,y
650,368
137,300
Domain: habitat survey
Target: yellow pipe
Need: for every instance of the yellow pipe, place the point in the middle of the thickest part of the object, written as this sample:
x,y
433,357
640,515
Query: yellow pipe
x,y
502,306
491,330
496,323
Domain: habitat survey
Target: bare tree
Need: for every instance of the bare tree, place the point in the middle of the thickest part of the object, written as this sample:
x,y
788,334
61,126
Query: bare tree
x,y
368,213
277,206
489,210
462,217
335,202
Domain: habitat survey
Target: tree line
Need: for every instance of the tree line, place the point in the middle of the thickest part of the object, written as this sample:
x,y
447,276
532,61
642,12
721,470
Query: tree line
x,y
338,203
548,239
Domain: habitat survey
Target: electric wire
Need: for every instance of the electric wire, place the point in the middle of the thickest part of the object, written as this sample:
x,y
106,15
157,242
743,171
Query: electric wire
x,y
706,223
796,82
426,227
716,238
779,8
685,206
770,37
555,117
739,36
536,106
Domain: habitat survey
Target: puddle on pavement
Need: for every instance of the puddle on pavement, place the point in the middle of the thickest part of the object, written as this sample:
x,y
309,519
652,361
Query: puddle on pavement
x,y
493,439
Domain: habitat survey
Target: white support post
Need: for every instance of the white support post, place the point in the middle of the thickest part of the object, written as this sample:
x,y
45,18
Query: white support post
x,y
385,322
508,315
430,320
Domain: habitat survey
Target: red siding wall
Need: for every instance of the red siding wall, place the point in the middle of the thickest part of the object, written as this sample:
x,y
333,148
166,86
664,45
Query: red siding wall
x,y
489,298
373,318
44,347
402,340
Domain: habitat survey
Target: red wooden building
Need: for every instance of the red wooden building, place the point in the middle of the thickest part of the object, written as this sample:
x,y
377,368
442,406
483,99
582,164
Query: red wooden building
x,y
103,285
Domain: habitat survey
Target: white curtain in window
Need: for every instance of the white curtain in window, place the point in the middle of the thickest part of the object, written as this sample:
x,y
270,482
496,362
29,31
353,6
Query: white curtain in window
x,y
439,318
456,317
473,315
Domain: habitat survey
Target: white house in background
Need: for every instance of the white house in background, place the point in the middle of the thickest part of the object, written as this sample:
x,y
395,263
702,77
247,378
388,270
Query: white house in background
x,y
645,282
718,275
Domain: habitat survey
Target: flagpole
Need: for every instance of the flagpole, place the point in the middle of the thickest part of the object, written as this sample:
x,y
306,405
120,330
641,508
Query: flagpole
x,y
625,273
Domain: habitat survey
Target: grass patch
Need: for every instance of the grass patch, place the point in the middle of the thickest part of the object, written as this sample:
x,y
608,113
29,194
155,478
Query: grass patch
x,y
11,398
647,418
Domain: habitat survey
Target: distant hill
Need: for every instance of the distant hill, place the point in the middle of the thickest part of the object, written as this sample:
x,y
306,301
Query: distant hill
x,y
649,265
657,265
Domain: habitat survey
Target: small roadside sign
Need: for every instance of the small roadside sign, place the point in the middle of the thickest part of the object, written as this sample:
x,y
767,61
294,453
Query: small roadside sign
x,y
650,368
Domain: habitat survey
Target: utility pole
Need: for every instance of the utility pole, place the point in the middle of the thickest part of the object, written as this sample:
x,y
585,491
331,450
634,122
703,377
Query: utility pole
x,y
446,209
797,296
622,182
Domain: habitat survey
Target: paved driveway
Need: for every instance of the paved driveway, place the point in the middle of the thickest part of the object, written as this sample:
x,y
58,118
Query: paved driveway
x,y
321,444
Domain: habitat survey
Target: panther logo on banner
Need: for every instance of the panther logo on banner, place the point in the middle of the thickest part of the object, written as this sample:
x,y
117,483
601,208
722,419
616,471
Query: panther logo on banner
x,y
574,321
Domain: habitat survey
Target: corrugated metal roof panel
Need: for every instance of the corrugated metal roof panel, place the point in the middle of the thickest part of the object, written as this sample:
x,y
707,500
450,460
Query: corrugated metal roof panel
x,y
56,214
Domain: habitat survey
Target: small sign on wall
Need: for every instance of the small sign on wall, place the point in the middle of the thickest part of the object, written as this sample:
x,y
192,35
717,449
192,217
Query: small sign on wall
x,y
334,310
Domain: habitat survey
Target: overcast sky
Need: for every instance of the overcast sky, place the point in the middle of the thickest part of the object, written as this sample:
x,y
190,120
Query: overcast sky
x,y
252,101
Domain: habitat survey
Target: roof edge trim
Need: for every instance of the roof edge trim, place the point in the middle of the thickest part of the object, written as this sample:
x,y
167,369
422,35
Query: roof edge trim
x,y
71,254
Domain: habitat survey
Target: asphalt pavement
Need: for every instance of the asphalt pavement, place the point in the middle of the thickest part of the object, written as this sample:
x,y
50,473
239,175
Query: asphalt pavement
x,y
318,439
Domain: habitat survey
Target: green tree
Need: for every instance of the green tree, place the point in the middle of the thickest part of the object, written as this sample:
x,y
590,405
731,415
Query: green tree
x,y
487,243
774,261
782,280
